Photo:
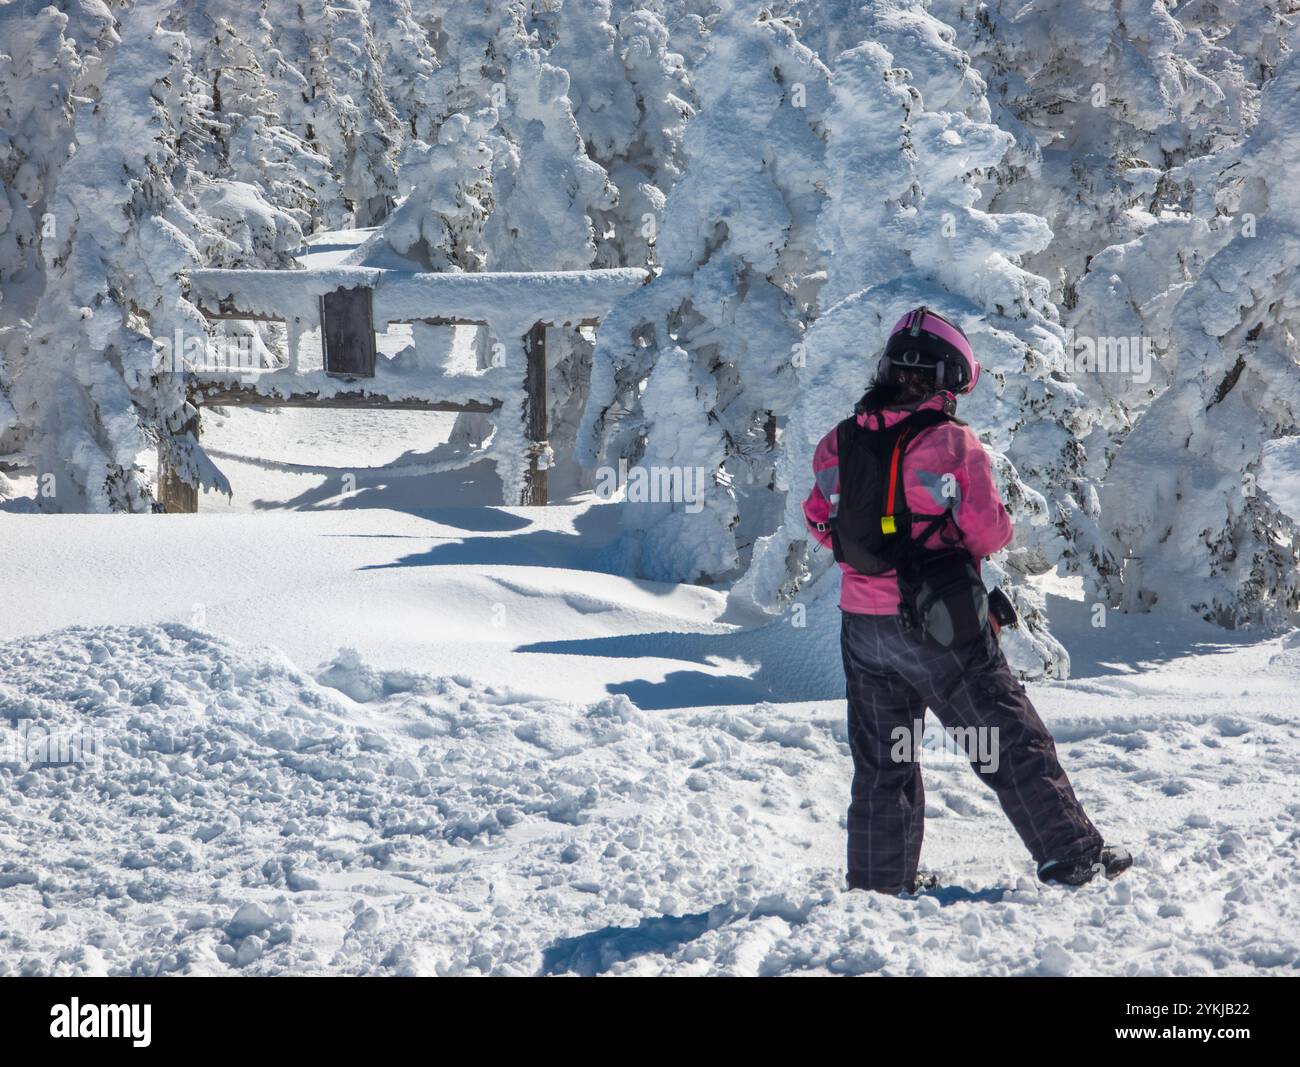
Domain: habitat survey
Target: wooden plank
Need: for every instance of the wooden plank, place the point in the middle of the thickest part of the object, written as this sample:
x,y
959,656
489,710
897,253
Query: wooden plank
x,y
535,487
175,495
576,296
348,332
237,315
246,396
440,322
226,309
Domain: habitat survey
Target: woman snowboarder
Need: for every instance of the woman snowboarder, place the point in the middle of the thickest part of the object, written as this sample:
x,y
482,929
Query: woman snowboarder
x,y
904,494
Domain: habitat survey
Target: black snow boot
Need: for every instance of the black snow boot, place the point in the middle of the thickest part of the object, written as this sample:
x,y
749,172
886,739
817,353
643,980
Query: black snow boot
x,y
924,880
1108,860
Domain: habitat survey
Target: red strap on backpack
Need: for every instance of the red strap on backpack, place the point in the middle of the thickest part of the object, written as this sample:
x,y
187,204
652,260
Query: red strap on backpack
x,y
887,523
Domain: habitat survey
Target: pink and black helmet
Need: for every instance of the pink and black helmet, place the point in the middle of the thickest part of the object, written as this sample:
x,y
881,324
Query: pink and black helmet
x,y
925,340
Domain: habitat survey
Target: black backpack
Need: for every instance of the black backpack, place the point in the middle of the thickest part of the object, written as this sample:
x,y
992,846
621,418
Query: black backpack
x,y
941,593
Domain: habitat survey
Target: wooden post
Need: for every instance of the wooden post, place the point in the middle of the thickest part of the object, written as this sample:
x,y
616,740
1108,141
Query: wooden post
x,y
347,330
535,415
295,329
175,495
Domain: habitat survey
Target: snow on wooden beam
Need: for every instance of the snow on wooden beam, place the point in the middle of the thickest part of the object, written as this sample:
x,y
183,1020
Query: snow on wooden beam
x,y
510,302
249,396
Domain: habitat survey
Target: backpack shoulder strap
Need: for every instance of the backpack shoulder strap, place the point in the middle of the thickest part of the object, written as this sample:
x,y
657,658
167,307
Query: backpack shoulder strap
x,y
929,417
909,428
844,431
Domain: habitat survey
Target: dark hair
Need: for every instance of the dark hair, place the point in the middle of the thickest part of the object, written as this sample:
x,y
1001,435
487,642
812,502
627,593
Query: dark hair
x,y
901,387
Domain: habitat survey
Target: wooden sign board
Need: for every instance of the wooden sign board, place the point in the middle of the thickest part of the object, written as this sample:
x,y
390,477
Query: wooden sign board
x,y
348,332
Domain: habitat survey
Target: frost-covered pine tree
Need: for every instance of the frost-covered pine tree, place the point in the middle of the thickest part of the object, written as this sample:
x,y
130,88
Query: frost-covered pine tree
x,y
544,186
115,255
473,41
915,235
940,69
447,190
1104,96
694,373
656,156
325,71
48,58
586,46
1130,292
1256,33
1187,499
630,99
42,66
1122,327
407,59
233,56
687,22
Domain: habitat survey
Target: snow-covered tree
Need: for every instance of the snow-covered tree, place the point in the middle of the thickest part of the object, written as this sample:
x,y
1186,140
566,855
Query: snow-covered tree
x,y
325,71
48,58
41,67
1254,32
687,22
939,68
695,372
233,55
473,41
915,235
447,188
544,186
630,101
1104,97
586,46
408,61
656,156
1185,501
115,254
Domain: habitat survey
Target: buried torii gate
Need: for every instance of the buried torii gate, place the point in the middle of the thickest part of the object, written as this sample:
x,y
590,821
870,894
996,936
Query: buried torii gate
x,y
347,304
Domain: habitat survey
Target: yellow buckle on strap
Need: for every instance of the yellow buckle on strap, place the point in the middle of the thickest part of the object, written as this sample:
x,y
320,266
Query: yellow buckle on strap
x,y
887,524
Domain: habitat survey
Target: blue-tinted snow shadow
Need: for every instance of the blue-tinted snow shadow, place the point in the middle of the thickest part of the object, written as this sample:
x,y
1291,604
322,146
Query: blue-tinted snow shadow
x,y
955,894
678,689
471,520
588,955
780,662
388,488
1129,644
689,689
591,545
777,662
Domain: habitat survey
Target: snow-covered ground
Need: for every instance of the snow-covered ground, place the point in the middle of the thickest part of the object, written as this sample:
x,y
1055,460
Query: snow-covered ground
x,y
526,764
362,718
374,725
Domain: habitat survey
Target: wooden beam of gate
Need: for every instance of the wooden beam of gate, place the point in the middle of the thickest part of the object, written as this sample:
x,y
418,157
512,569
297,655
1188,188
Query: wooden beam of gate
x,y
555,297
247,396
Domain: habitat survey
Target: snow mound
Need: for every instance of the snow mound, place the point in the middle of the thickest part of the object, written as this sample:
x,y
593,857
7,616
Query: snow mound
x,y
237,815
240,814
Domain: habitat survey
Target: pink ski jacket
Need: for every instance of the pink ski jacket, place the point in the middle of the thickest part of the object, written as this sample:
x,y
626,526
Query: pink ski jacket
x,y
935,452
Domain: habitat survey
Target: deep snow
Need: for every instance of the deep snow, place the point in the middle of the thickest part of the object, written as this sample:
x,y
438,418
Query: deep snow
x,y
357,720
596,786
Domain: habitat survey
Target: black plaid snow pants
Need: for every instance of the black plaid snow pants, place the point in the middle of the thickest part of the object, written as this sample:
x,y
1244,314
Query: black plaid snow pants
x,y
892,678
